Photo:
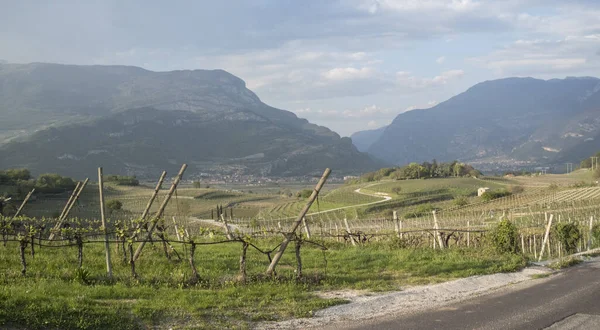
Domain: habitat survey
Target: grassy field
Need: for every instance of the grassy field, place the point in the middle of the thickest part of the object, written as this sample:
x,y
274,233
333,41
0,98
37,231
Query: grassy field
x,y
55,295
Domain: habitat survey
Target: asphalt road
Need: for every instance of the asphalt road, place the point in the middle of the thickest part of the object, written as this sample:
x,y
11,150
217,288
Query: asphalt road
x,y
570,300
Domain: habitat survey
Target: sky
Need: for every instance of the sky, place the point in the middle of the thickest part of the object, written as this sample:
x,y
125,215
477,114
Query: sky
x,y
349,65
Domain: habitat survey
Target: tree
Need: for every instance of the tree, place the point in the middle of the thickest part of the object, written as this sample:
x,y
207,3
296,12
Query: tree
x,y
53,183
14,176
458,169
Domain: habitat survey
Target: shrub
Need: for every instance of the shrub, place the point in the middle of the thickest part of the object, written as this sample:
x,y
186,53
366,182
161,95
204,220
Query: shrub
x,y
421,210
122,180
304,193
596,233
516,189
489,195
504,237
114,205
568,235
461,201
396,190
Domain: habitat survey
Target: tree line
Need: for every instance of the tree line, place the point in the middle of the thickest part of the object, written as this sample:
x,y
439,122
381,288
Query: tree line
x,y
424,170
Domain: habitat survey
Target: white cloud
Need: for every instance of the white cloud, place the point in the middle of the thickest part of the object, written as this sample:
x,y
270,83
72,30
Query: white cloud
x,y
406,79
440,60
370,111
571,55
374,6
427,105
372,124
348,73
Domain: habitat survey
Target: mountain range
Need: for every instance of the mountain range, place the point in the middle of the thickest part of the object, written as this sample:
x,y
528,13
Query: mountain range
x,y
71,119
507,122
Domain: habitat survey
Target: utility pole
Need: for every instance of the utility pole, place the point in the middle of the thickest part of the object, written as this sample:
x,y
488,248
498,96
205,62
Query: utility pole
x,y
569,168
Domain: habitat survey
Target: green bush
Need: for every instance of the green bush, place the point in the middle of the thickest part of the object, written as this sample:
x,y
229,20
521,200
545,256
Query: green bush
x,y
568,235
516,189
421,210
461,201
596,233
504,237
304,193
396,190
489,195
114,205
122,180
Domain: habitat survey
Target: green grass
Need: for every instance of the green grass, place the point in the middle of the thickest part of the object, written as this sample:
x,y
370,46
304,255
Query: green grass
x,y
565,263
53,296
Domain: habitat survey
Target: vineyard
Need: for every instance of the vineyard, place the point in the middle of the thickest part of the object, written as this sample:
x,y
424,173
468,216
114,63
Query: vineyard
x,y
166,256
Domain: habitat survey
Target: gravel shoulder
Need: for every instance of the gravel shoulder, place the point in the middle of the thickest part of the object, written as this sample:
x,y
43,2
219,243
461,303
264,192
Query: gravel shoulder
x,y
365,306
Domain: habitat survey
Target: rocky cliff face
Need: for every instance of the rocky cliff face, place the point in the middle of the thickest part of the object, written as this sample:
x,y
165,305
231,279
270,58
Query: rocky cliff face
x,y
519,120
70,119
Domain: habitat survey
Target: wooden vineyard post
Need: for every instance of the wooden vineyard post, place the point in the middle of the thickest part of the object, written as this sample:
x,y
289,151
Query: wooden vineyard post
x,y
522,244
153,197
23,204
176,229
288,237
69,207
227,231
104,227
85,182
243,262
306,229
159,213
70,200
337,231
349,232
396,224
437,233
545,241
589,242
468,233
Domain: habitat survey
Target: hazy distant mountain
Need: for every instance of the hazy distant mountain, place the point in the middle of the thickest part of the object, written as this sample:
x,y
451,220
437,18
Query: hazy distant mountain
x,y
71,119
513,120
364,139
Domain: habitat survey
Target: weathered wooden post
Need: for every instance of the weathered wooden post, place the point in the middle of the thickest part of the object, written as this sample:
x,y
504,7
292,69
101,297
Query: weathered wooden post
x,y
306,229
468,233
396,223
545,242
154,194
69,207
349,232
437,233
290,235
227,231
160,211
589,242
23,204
104,227
70,200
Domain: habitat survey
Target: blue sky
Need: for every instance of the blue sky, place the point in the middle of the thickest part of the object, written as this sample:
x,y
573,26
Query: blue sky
x,y
348,64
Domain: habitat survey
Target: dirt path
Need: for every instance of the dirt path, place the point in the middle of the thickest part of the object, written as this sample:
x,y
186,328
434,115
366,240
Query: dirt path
x,y
386,197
